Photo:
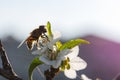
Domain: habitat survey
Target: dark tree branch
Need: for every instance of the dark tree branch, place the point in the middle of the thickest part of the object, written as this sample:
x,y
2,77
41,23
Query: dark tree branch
x,y
7,70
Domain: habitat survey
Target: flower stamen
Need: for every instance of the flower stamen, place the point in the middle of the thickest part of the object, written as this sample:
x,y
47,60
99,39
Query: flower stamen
x,y
65,64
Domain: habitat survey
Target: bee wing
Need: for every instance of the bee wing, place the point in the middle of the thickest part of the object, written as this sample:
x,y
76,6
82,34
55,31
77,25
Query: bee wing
x,y
21,43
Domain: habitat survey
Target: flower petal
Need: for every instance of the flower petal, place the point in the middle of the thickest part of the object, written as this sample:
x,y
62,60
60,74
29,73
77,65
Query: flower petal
x,y
74,52
60,57
45,60
78,64
63,53
40,51
70,73
56,63
56,34
52,42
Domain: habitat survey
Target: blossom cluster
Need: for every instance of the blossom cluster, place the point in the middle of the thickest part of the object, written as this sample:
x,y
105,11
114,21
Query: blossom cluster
x,y
67,60
62,56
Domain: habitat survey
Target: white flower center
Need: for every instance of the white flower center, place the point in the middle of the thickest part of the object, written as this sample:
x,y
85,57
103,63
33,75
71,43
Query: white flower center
x,y
52,53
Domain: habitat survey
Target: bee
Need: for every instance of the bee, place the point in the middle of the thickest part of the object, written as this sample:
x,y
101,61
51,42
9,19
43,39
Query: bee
x,y
34,37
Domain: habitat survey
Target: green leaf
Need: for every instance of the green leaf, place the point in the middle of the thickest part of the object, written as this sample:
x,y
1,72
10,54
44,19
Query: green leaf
x,y
58,44
49,29
72,43
33,65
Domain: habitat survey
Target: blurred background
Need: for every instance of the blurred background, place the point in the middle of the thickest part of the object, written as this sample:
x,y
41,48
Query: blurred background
x,y
97,21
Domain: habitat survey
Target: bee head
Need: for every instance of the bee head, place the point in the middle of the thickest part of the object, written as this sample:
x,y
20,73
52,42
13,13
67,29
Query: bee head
x,y
42,28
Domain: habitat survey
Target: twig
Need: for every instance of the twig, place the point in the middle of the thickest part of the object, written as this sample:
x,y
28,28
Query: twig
x,y
50,74
7,70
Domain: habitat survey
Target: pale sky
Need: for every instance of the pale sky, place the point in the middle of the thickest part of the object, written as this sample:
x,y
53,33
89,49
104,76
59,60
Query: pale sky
x,y
70,17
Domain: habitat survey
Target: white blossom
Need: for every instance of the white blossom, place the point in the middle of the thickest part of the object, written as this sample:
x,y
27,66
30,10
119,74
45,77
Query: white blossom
x,y
52,57
49,54
57,61
76,63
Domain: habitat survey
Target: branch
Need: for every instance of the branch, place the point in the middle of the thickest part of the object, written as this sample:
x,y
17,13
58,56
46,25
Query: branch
x,y
50,74
7,70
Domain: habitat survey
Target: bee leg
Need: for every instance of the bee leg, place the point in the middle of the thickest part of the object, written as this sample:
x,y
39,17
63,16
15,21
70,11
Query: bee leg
x,y
38,45
45,36
41,44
